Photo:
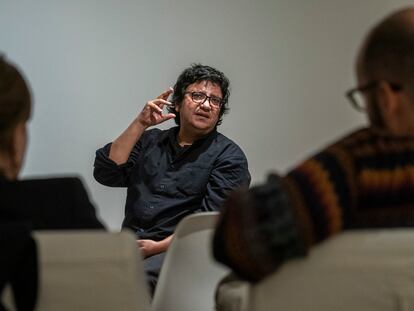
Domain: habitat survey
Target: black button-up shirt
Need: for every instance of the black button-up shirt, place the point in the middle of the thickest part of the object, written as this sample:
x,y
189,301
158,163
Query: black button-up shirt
x,y
167,182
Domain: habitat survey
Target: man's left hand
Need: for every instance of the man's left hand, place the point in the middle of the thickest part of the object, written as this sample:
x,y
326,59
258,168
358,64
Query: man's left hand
x,y
148,247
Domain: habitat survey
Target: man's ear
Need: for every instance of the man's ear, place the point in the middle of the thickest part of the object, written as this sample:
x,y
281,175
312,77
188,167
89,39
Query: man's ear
x,y
177,107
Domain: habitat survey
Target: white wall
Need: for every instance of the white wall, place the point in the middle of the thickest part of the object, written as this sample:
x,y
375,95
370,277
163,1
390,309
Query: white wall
x,y
92,65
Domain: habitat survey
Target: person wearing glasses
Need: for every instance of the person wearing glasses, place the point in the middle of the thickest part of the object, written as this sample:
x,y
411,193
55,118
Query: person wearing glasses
x,y
363,180
172,173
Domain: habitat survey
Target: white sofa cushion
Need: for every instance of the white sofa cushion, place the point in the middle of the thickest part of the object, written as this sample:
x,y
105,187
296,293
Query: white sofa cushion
x,y
90,270
356,270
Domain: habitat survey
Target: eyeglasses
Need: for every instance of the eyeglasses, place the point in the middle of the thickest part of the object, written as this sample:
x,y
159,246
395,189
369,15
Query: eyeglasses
x,y
200,98
355,95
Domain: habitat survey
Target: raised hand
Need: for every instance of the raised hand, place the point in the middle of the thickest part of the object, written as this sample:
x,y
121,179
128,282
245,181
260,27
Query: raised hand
x,y
152,113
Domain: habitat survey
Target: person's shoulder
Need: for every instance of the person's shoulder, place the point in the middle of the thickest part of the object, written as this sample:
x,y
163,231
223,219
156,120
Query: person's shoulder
x,y
333,147
154,131
339,152
227,147
353,140
360,134
53,185
223,140
52,181
49,203
154,134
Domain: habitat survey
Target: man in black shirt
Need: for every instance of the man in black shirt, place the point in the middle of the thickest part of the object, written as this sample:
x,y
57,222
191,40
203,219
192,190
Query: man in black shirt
x,y
173,173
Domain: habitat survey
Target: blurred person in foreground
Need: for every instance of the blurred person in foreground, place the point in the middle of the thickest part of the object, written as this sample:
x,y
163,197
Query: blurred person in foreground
x,y
363,180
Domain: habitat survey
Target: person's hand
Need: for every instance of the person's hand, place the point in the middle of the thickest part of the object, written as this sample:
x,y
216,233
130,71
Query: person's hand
x,y
152,114
148,247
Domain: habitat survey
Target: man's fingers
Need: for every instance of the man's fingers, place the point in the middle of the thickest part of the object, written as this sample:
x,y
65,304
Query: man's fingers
x,y
153,106
168,116
156,107
165,94
153,114
161,102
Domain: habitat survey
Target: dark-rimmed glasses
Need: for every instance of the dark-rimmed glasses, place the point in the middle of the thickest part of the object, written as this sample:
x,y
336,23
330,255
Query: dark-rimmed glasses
x,y
200,98
354,95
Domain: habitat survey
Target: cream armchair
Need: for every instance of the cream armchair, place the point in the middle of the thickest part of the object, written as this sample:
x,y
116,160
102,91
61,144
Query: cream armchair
x,y
356,270
89,270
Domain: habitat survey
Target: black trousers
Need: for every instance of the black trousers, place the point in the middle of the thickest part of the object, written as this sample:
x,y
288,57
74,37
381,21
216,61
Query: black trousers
x,y
152,266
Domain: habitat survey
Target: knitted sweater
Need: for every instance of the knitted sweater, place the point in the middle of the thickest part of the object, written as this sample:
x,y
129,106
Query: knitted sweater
x,y
365,180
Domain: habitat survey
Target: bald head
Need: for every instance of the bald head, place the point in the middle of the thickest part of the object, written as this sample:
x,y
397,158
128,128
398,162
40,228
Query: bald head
x,y
388,51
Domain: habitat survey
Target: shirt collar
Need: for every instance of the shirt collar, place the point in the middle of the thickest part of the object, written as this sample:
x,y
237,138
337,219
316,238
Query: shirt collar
x,y
172,133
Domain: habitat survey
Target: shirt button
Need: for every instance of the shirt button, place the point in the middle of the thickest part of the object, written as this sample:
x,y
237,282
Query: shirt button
x,y
141,230
172,165
151,207
162,186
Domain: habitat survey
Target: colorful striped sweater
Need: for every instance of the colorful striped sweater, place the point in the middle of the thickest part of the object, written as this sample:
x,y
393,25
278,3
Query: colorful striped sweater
x,y
365,180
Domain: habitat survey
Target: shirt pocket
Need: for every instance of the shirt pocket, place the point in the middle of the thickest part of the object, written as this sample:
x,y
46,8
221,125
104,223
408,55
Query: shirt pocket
x,y
193,180
148,170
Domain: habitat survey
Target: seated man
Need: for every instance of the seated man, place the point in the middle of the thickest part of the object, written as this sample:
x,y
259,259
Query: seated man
x,y
173,173
364,180
25,205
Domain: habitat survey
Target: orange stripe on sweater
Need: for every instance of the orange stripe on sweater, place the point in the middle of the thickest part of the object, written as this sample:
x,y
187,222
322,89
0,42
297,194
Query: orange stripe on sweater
x,y
386,180
324,189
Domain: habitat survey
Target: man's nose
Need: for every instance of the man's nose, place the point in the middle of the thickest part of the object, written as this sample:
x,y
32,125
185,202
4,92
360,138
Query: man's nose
x,y
206,105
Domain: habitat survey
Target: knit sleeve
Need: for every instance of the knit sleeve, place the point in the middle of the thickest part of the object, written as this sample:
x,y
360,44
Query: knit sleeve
x,y
322,191
258,231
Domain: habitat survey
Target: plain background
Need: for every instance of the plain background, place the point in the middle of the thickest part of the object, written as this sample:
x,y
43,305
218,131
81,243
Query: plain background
x,y
92,65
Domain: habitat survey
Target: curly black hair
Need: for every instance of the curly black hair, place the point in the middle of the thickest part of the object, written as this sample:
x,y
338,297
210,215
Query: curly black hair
x,y
196,73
